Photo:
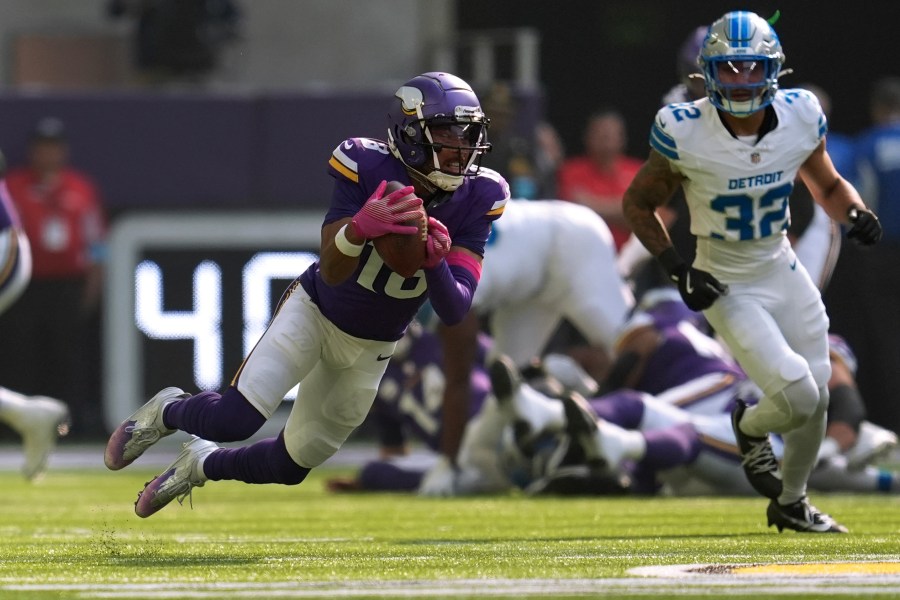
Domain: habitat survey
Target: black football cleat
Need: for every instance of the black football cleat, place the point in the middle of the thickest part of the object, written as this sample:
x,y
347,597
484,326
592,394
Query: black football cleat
x,y
580,480
757,457
505,379
581,425
803,517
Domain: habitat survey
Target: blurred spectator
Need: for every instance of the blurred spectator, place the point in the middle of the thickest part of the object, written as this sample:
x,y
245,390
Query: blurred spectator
x,y
690,84
178,39
599,177
869,278
57,321
841,147
527,156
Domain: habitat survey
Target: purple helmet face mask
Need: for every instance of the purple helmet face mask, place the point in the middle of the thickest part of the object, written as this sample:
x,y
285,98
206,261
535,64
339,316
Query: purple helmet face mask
x,y
427,102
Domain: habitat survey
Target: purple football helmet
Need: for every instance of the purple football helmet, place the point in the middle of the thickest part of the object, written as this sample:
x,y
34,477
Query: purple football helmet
x,y
689,72
426,112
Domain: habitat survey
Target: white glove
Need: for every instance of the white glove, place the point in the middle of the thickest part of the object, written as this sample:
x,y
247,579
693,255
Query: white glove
x,y
440,480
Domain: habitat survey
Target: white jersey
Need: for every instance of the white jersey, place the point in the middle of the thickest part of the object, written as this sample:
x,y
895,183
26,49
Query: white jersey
x,y
547,260
737,190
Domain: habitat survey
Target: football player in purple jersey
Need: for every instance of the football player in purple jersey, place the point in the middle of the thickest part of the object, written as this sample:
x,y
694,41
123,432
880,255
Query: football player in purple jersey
x,y
530,285
663,440
39,420
703,388
338,324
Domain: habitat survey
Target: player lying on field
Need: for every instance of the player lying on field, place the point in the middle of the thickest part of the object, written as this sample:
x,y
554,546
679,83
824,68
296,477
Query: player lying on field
x,y
661,446
524,441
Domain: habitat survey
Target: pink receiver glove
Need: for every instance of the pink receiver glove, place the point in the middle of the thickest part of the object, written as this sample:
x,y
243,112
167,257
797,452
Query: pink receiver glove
x,y
438,244
381,215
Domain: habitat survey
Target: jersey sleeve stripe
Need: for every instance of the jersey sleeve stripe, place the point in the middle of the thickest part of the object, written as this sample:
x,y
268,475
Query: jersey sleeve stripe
x,y
498,207
823,126
663,143
338,166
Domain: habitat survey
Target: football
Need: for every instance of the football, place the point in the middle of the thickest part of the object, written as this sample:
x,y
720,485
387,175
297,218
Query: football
x,y
403,253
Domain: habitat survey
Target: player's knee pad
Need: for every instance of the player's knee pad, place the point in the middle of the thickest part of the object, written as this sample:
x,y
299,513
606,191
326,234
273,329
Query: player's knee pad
x,y
318,426
312,443
802,399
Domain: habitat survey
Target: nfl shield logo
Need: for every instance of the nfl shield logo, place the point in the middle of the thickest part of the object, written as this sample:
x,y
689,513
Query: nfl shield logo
x,y
754,158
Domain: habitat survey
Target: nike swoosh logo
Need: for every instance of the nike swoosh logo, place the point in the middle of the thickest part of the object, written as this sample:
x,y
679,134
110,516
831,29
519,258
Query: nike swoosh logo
x,y
380,357
687,284
794,265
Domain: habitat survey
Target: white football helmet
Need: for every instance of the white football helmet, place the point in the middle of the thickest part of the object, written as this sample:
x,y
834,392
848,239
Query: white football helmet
x,y
741,40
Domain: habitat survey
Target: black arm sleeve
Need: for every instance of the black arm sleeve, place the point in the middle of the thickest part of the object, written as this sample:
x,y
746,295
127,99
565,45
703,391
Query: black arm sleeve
x,y
846,405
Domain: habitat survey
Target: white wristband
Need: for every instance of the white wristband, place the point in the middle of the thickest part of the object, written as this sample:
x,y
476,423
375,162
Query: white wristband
x,y
347,247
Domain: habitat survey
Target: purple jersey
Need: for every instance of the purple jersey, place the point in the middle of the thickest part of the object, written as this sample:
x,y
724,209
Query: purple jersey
x,y
684,352
375,303
411,392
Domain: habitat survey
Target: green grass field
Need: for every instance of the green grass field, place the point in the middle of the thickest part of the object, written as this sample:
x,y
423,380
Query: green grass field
x,y
74,535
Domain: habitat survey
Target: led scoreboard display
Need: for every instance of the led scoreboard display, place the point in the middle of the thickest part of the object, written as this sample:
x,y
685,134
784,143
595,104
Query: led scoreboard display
x,y
188,295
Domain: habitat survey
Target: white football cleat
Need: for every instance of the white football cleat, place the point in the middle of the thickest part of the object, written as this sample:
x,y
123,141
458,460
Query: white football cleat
x,y
567,370
873,444
39,420
141,430
42,422
177,481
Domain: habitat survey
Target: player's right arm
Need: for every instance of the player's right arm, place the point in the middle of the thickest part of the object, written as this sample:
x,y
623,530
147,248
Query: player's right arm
x,y
650,189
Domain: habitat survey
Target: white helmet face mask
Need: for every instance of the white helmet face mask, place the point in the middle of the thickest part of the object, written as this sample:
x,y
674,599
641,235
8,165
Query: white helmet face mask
x,y
741,59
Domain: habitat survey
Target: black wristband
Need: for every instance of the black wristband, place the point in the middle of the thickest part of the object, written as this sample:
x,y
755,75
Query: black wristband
x,y
670,260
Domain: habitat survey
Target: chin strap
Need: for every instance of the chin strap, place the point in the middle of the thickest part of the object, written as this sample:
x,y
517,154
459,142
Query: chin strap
x,y
434,196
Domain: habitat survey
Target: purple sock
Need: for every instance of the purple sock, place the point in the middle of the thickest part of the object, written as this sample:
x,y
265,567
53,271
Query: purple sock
x,y
671,446
625,408
266,461
228,417
380,475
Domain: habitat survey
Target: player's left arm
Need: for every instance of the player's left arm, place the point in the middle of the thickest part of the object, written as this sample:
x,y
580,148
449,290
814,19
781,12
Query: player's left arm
x,y
828,188
838,196
453,278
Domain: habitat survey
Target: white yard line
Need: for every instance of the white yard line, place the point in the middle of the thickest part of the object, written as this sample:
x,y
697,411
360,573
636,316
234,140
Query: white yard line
x,y
676,583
